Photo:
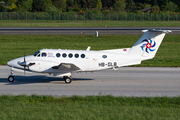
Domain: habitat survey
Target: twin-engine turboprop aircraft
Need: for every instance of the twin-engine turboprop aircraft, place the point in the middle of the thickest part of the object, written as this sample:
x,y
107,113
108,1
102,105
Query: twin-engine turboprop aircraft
x,y
63,62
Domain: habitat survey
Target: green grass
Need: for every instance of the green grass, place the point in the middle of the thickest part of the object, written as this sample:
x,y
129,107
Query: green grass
x,y
13,46
89,107
55,23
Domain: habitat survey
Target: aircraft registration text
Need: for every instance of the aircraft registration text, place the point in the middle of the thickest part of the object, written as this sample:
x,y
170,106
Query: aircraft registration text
x,y
109,64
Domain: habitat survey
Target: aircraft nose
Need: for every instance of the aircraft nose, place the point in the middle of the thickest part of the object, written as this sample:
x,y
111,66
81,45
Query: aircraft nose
x,y
18,62
10,63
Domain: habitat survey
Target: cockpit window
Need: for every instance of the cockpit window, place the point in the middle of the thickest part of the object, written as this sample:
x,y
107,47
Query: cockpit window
x,y
44,54
36,53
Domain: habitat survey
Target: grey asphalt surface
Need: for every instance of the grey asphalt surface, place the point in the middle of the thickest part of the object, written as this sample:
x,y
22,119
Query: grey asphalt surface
x,y
127,81
81,30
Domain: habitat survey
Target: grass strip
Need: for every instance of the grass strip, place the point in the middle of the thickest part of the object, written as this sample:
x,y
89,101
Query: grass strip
x,y
80,23
89,107
13,46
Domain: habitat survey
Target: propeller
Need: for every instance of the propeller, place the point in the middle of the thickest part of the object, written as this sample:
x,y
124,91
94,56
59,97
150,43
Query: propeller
x,y
24,64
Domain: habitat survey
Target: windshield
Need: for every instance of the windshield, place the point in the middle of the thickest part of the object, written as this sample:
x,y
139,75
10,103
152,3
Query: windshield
x,y
36,53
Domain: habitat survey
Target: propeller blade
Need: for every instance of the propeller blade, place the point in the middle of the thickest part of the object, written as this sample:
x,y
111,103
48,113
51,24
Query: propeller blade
x,y
25,63
24,56
24,71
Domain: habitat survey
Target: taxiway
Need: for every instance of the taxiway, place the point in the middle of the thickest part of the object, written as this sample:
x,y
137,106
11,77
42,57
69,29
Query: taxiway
x,y
81,30
127,81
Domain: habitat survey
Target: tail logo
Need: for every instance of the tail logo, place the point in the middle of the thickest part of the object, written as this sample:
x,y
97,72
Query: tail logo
x,y
148,46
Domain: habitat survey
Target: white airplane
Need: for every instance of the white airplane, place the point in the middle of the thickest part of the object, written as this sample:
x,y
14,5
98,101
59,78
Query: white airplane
x,y
62,63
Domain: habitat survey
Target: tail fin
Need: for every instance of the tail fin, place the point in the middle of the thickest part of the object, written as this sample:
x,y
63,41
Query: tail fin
x,y
148,44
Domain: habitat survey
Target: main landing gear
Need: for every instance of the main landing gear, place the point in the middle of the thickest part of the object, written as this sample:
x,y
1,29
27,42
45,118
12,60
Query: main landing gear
x,y
67,79
11,77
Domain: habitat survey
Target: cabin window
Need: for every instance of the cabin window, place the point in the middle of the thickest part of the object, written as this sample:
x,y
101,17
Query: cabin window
x,y
70,55
76,55
35,54
64,55
104,56
44,54
58,55
82,55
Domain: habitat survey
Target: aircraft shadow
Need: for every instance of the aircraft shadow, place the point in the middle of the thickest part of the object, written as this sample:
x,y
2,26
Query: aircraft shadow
x,y
38,79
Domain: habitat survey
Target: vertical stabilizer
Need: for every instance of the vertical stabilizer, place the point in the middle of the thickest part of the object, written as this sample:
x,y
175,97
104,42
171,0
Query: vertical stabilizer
x,y
148,44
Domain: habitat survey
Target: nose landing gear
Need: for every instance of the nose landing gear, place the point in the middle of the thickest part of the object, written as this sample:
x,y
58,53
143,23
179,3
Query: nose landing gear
x,y
11,77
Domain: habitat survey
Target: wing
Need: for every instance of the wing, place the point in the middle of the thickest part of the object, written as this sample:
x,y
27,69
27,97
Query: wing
x,y
66,66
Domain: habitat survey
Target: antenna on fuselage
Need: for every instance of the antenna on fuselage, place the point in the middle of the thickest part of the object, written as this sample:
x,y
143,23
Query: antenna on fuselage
x,y
88,49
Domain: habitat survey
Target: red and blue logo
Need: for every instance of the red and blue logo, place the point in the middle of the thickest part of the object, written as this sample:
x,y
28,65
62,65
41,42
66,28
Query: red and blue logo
x,y
148,46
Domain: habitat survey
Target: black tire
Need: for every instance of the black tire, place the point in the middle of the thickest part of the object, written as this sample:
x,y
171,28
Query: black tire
x,y
68,80
64,77
11,78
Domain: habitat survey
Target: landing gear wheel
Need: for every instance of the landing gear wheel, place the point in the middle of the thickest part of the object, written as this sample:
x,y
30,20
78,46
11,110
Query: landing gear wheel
x,y
64,77
68,80
11,78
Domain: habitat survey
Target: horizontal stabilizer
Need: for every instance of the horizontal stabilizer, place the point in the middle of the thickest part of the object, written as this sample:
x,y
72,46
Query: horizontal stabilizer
x,y
162,31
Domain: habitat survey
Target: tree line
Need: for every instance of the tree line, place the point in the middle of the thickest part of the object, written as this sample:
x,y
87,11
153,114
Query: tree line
x,y
96,6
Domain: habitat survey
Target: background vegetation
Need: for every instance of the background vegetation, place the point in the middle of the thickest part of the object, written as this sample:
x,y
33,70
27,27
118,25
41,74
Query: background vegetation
x,y
95,23
89,16
13,46
94,6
